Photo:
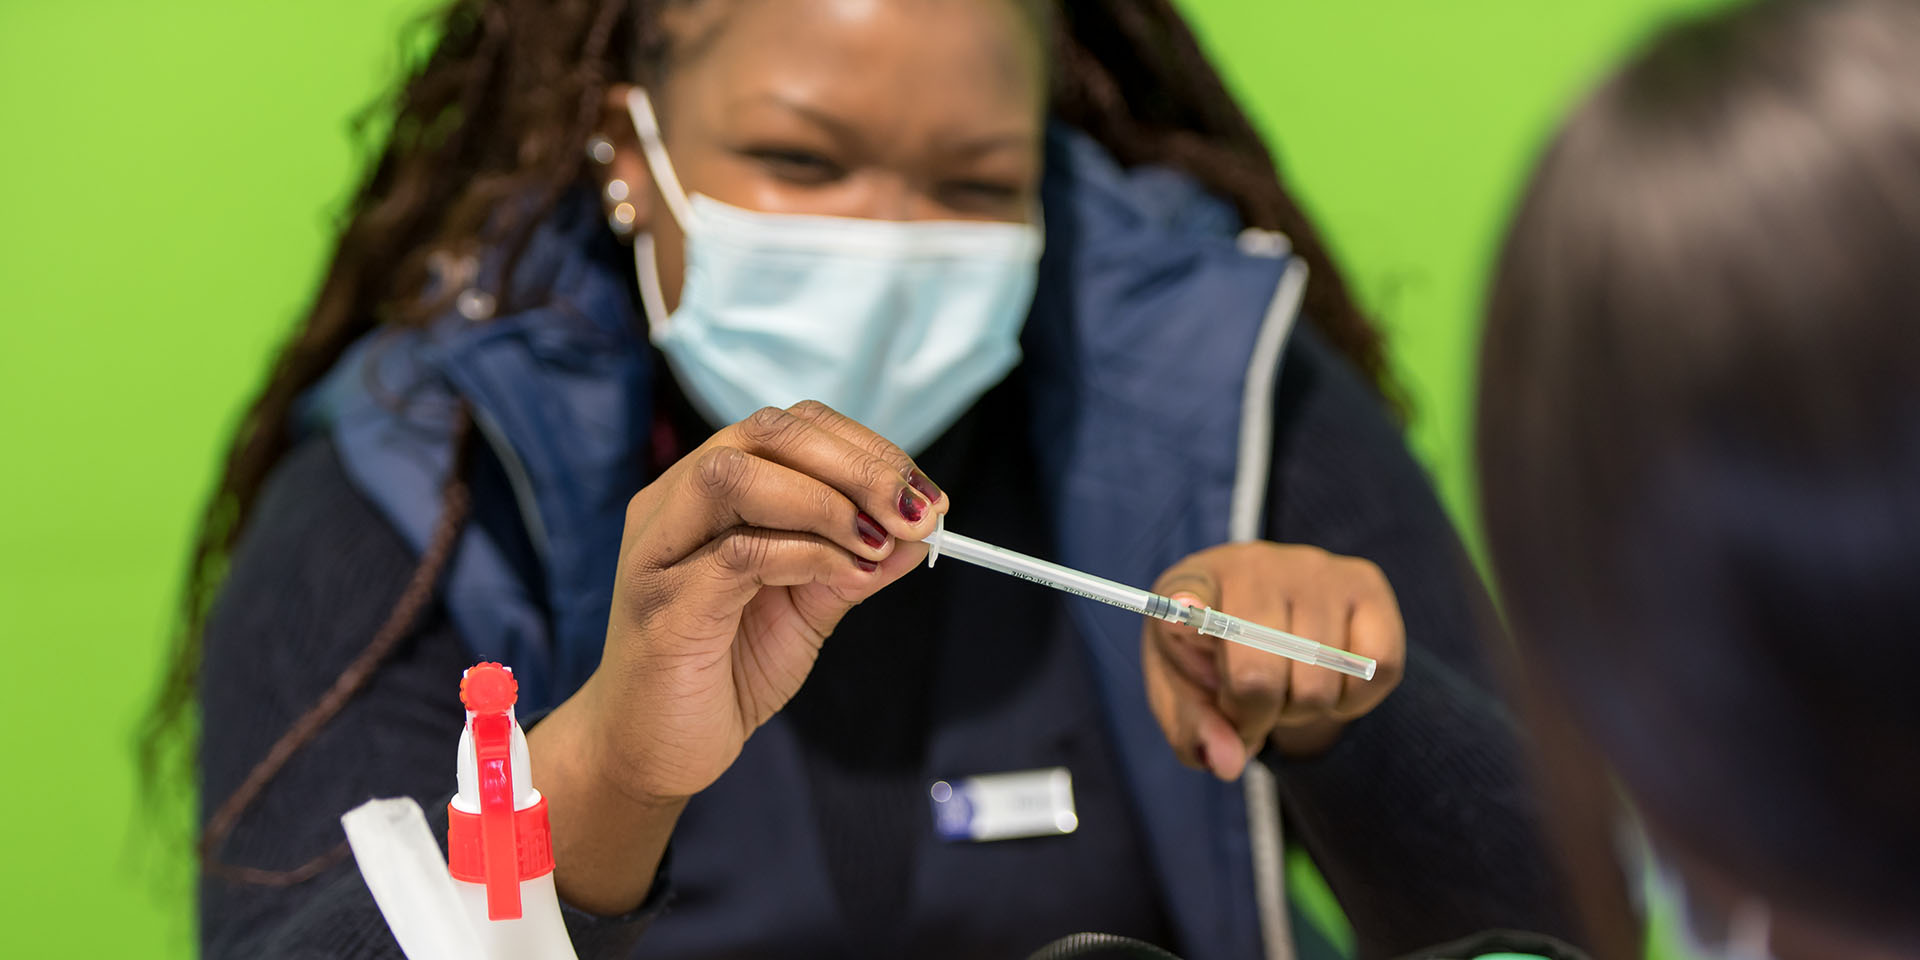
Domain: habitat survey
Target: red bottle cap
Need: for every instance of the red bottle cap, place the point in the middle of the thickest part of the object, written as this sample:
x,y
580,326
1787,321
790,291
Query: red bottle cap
x,y
488,688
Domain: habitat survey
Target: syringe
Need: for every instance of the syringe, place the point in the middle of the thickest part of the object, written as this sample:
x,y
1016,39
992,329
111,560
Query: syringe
x,y
1207,620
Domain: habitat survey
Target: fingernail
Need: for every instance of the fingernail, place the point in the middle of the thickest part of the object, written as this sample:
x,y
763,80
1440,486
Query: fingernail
x,y
870,532
866,565
911,505
1200,750
920,482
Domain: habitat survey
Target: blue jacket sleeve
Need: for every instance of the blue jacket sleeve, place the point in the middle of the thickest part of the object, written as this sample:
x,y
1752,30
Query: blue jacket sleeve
x,y
311,580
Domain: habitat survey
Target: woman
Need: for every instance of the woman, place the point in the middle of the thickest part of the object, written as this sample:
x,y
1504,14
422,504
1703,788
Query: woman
x,y
1698,452
802,201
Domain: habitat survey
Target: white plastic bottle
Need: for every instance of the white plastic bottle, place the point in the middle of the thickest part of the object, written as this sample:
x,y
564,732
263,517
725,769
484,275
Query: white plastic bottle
x,y
499,844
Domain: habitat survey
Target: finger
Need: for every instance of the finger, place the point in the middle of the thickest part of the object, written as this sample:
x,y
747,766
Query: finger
x,y
726,487
1190,582
872,483
1246,690
1200,737
1184,649
1162,700
723,575
1314,692
1252,692
902,561
822,605
857,433
1222,751
1375,630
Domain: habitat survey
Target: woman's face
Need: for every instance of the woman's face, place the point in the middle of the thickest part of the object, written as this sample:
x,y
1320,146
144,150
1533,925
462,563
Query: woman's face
x,y
877,109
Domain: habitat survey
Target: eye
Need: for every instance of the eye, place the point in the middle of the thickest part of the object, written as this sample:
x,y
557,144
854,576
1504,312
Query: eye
x,y
981,195
796,165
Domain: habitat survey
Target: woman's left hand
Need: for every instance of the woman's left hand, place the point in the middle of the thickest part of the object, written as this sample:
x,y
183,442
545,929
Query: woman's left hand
x,y
1220,702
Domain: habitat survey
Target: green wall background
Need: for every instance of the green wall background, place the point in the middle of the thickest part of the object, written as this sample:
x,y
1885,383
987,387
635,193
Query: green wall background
x,y
168,175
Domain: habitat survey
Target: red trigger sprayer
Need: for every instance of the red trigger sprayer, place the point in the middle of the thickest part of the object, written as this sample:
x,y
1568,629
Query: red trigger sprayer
x,y
499,844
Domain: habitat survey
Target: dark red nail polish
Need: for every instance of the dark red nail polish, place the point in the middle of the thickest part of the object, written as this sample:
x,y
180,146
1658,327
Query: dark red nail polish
x,y
867,565
911,506
920,482
869,530
1200,750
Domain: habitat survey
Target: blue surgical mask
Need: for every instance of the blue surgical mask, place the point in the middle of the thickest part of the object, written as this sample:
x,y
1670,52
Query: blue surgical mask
x,y
899,325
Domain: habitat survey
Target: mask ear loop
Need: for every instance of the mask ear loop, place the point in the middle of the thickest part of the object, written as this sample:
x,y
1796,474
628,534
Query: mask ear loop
x,y
646,264
647,126
652,298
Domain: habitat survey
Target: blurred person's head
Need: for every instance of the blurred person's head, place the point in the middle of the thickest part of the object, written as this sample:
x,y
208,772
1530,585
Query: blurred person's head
x,y
1699,445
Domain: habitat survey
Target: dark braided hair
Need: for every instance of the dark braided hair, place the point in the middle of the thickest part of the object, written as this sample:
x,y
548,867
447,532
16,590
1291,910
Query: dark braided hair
x,y
499,110
1131,74
455,501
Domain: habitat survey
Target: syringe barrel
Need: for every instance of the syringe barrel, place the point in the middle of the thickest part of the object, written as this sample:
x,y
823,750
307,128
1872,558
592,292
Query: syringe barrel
x,y
949,544
1207,620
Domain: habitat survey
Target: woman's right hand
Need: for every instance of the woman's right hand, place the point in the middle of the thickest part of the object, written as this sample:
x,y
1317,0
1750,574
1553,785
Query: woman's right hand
x,y
735,565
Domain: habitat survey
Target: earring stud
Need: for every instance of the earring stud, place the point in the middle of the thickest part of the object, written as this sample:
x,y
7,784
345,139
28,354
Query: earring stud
x,y
620,219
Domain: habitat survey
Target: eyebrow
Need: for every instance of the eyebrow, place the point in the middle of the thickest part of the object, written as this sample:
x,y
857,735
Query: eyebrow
x,y
832,124
841,130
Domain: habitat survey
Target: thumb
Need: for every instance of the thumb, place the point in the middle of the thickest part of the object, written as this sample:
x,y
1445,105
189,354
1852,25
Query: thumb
x,y
1191,582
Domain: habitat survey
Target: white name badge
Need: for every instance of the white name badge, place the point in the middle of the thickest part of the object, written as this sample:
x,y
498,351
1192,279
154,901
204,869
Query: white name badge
x,y
1005,806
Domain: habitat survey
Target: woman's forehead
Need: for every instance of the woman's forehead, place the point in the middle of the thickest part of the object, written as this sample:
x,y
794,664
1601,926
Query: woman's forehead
x,y
885,56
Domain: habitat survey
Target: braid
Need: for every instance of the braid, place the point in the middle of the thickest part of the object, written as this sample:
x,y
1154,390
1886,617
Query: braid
x,y
419,592
496,111
1131,74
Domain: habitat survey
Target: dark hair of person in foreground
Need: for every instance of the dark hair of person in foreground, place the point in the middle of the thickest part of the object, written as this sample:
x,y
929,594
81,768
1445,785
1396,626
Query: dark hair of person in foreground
x,y
1699,443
